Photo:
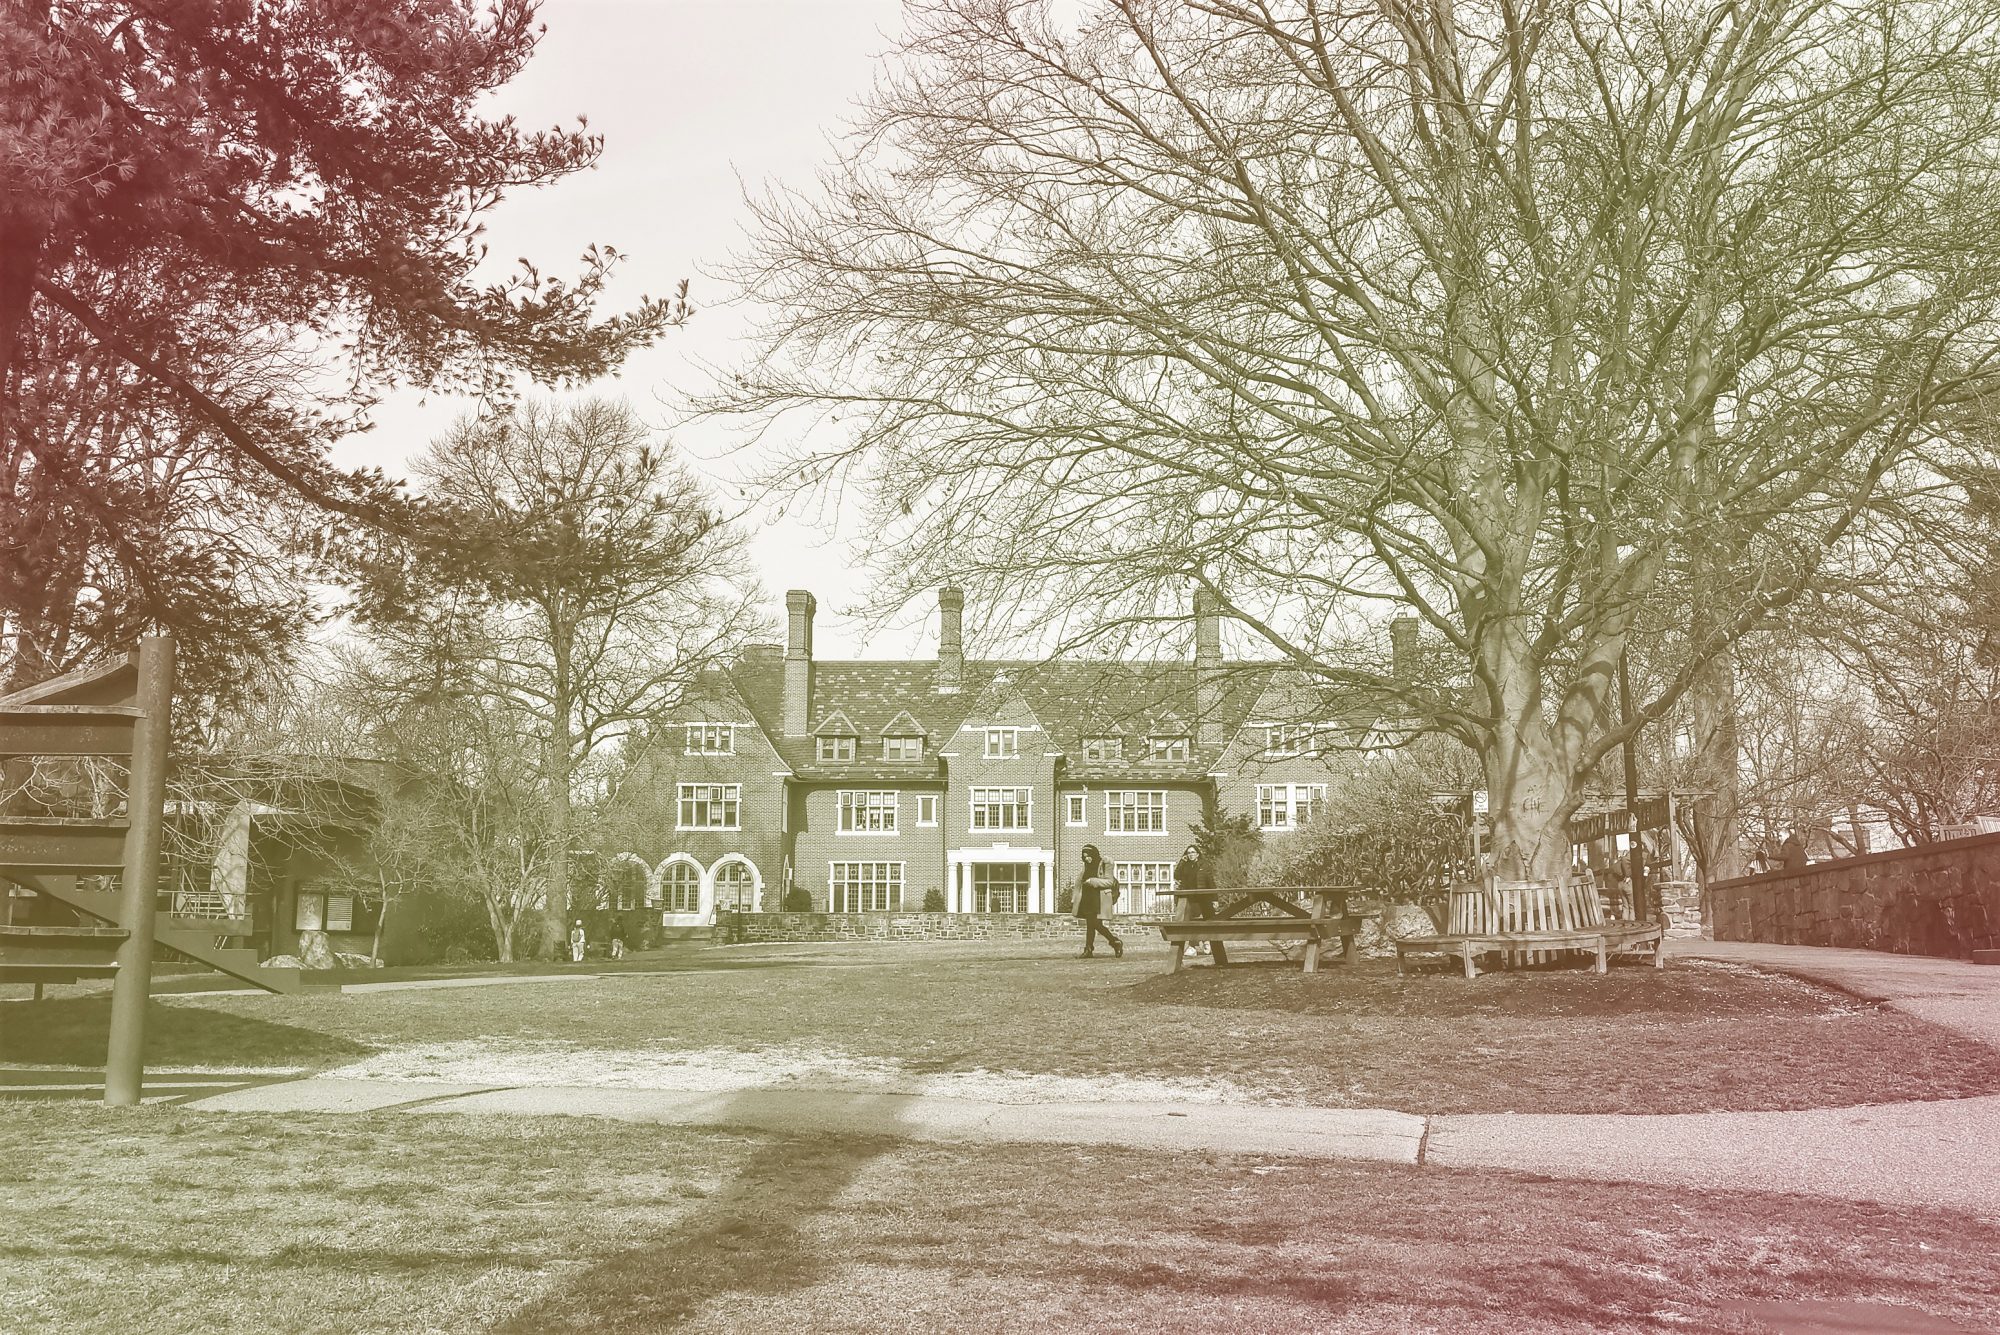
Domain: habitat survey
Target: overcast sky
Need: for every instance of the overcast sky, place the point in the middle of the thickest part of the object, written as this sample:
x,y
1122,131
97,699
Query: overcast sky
x,y
696,99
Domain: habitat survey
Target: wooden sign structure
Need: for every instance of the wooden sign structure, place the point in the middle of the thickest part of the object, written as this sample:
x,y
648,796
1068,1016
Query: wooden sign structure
x,y
121,710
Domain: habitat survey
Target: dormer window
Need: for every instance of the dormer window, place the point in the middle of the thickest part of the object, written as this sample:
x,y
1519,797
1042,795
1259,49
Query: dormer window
x,y
1291,739
902,748
1003,743
837,750
1166,748
1103,748
711,739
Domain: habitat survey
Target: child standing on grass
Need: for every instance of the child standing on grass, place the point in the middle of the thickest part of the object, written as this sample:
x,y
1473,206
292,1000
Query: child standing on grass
x,y
1095,894
576,942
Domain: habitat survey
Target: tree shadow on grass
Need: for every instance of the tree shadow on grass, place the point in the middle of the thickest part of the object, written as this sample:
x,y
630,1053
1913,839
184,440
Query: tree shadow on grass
x,y
748,1238
74,1031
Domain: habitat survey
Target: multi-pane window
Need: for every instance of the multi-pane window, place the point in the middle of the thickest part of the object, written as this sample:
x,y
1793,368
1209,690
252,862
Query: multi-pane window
x,y
680,892
1104,748
1001,809
867,812
864,887
711,739
711,806
1166,748
926,808
1291,739
1143,883
1003,743
837,749
1287,806
1000,887
1074,808
902,748
735,887
1138,812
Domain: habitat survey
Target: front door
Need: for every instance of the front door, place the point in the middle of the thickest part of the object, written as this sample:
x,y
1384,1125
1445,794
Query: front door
x,y
1000,887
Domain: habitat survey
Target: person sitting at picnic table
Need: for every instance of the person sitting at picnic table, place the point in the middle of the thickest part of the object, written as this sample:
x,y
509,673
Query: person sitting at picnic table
x,y
1095,894
1191,873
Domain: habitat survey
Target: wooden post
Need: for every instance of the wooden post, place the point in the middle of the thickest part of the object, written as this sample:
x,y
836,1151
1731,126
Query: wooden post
x,y
145,800
1636,855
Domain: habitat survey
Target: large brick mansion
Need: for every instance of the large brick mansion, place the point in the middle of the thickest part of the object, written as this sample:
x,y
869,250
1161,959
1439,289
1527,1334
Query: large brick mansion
x,y
868,783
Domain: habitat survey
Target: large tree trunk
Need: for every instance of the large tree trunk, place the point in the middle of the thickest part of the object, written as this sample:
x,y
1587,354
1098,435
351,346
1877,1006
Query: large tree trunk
x,y
1529,788
1718,850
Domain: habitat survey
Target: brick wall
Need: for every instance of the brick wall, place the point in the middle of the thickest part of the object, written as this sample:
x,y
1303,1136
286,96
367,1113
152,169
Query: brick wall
x,y
1940,899
818,842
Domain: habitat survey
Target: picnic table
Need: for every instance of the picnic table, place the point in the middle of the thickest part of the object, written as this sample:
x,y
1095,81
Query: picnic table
x,y
1219,916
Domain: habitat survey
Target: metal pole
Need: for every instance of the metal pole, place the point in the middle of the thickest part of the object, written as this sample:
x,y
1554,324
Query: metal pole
x,y
1635,852
145,798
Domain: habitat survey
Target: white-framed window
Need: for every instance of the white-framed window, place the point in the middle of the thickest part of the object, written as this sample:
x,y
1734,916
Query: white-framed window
x,y
902,748
926,808
867,812
1142,883
1001,887
1002,808
680,890
711,806
1287,806
1166,748
1291,739
864,887
711,739
1138,811
735,887
1003,743
1075,808
1104,748
836,749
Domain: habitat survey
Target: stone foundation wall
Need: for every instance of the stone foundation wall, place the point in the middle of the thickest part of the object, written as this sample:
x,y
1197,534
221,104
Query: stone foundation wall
x,y
1939,899
906,926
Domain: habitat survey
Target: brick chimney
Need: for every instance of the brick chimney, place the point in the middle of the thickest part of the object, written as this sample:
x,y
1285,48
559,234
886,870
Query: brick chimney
x,y
1209,729
951,641
1403,650
799,605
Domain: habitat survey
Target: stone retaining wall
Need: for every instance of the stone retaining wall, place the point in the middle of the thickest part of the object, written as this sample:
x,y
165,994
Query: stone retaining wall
x,y
904,926
1938,899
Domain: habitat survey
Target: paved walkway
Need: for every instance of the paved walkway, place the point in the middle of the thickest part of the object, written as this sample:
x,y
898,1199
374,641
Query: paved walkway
x,y
1910,1154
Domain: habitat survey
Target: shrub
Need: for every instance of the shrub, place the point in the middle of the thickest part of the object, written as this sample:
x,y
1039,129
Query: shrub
x,y
1066,897
934,900
798,899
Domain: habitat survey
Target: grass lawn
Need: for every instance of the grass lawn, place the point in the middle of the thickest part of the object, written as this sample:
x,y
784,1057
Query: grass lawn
x,y
167,1220
1696,1036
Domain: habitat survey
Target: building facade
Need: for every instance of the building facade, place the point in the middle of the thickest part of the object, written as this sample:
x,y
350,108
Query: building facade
x,y
967,786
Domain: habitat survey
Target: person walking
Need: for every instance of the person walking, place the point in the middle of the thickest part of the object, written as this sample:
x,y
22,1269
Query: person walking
x,y
576,942
1095,894
1191,873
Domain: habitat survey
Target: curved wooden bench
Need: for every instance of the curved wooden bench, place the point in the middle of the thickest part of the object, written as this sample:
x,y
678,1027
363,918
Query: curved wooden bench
x,y
1606,939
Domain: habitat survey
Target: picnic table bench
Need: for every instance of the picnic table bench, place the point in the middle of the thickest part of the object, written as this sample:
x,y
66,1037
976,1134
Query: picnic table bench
x,y
1221,916
1527,920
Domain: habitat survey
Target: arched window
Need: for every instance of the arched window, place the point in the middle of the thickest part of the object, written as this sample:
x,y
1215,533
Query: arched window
x,y
680,892
735,887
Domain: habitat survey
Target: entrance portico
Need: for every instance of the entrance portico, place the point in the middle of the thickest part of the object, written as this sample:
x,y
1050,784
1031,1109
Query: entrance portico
x,y
977,878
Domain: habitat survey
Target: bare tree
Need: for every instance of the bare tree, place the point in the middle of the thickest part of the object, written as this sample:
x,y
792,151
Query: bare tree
x,y
588,579
1499,314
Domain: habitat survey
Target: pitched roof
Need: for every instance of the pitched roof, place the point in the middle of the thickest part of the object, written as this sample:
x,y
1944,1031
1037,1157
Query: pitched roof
x,y
1073,700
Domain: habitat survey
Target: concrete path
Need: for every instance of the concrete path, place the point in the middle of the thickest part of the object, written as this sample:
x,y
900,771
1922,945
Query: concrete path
x,y
1951,993
1910,1154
